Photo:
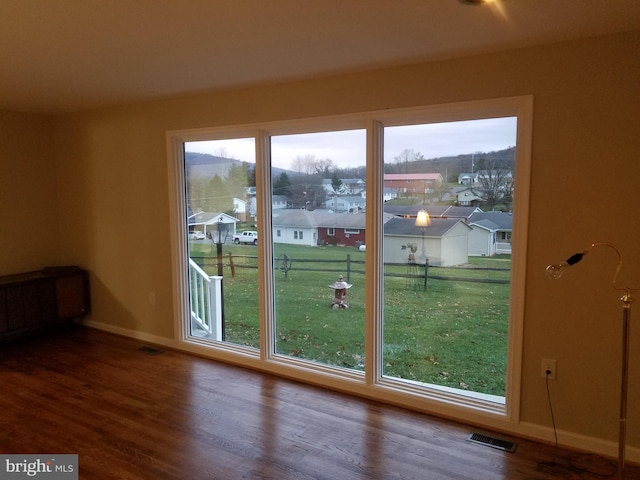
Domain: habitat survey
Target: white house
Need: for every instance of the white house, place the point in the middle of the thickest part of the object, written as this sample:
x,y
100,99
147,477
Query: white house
x,y
468,178
296,227
208,221
491,233
482,239
387,194
352,186
240,209
444,242
346,203
327,184
468,197
278,202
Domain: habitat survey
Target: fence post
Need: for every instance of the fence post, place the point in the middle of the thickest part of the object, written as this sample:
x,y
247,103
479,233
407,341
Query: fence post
x,y
231,264
426,270
348,267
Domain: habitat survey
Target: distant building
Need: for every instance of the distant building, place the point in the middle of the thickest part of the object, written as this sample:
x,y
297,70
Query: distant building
x,y
491,233
468,198
468,178
412,183
346,203
352,186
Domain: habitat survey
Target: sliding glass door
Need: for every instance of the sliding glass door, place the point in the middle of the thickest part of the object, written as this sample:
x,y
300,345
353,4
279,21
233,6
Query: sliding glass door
x,y
318,221
221,230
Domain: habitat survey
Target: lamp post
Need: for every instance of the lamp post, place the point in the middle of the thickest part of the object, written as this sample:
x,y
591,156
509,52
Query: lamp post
x,y
423,221
219,237
555,272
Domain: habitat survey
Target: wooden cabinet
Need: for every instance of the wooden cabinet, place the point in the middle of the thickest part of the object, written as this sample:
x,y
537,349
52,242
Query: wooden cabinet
x,y
37,300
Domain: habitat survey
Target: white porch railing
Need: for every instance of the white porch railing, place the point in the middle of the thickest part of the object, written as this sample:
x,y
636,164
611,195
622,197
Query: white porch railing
x,y
206,300
503,247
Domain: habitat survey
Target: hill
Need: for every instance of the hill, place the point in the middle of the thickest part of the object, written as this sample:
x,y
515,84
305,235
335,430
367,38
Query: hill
x,y
204,165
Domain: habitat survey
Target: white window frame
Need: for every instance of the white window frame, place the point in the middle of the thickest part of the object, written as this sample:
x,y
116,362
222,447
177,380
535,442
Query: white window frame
x,y
475,408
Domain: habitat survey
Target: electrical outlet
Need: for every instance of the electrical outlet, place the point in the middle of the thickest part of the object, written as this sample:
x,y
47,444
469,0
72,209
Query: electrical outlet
x,y
152,298
548,366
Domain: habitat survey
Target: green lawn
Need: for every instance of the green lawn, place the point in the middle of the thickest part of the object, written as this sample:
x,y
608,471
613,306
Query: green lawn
x,y
454,334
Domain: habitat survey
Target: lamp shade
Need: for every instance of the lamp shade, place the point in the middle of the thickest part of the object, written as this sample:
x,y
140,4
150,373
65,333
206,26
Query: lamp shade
x,y
423,220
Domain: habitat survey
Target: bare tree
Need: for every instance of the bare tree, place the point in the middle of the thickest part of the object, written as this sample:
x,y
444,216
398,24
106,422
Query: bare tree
x,y
496,182
305,164
323,167
407,155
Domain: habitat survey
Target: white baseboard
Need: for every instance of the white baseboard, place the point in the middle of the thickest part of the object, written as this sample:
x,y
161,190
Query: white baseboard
x,y
126,332
576,441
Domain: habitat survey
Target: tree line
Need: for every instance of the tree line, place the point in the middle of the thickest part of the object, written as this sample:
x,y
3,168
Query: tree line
x,y
303,184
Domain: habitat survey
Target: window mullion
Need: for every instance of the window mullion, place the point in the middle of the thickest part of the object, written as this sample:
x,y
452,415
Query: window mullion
x,y
265,244
374,234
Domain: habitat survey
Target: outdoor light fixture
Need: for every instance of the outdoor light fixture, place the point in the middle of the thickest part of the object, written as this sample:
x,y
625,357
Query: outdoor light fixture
x,y
219,237
423,221
555,272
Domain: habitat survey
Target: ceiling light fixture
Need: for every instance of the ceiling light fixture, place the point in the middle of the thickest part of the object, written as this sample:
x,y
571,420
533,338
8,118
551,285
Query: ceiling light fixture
x,y
475,2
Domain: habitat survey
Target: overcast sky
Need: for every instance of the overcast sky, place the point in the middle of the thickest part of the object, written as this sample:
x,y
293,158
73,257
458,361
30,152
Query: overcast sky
x,y
347,148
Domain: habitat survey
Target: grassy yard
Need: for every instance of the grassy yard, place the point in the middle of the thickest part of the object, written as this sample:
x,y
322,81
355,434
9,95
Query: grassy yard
x,y
454,334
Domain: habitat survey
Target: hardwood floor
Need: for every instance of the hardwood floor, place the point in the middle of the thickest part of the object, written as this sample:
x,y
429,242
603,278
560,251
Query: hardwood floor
x,y
131,415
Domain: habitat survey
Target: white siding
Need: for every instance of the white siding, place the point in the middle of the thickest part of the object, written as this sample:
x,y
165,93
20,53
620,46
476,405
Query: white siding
x,y
481,242
291,235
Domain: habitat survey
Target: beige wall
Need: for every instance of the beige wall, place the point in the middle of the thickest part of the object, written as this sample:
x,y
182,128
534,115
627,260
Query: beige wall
x,y
28,202
114,211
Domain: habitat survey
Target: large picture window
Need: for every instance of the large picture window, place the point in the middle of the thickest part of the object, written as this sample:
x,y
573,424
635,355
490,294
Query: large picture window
x,y
380,252
446,285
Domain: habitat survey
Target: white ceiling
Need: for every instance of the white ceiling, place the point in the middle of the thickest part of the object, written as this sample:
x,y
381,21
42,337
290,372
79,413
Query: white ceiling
x,y
67,55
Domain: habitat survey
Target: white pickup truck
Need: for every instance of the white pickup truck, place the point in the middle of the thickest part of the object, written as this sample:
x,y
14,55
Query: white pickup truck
x,y
247,237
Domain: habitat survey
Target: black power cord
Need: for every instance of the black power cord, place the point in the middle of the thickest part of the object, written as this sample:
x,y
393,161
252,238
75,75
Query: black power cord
x,y
553,417
567,470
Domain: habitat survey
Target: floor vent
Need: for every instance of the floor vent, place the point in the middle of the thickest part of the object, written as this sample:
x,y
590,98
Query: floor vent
x,y
492,442
150,350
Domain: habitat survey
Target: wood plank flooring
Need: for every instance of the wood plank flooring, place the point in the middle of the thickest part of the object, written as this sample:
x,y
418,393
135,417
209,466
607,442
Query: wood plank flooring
x,y
130,415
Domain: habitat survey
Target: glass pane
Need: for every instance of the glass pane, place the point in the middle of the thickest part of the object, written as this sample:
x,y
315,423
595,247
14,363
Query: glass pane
x,y
318,228
447,253
221,208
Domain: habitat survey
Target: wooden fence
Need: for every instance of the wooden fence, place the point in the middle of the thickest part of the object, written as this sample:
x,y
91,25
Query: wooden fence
x,y
415,272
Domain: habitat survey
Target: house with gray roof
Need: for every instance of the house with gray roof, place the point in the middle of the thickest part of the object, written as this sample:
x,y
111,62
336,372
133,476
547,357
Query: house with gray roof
x,y
491,233
442,211
295,226
444,242
208,221
468,197
303,227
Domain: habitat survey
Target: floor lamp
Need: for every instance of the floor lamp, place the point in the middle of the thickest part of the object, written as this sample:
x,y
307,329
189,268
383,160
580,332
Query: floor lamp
x,y
555,272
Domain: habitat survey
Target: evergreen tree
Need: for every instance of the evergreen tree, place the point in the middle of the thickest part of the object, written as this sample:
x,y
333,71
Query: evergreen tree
x,y
336,183
282,184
